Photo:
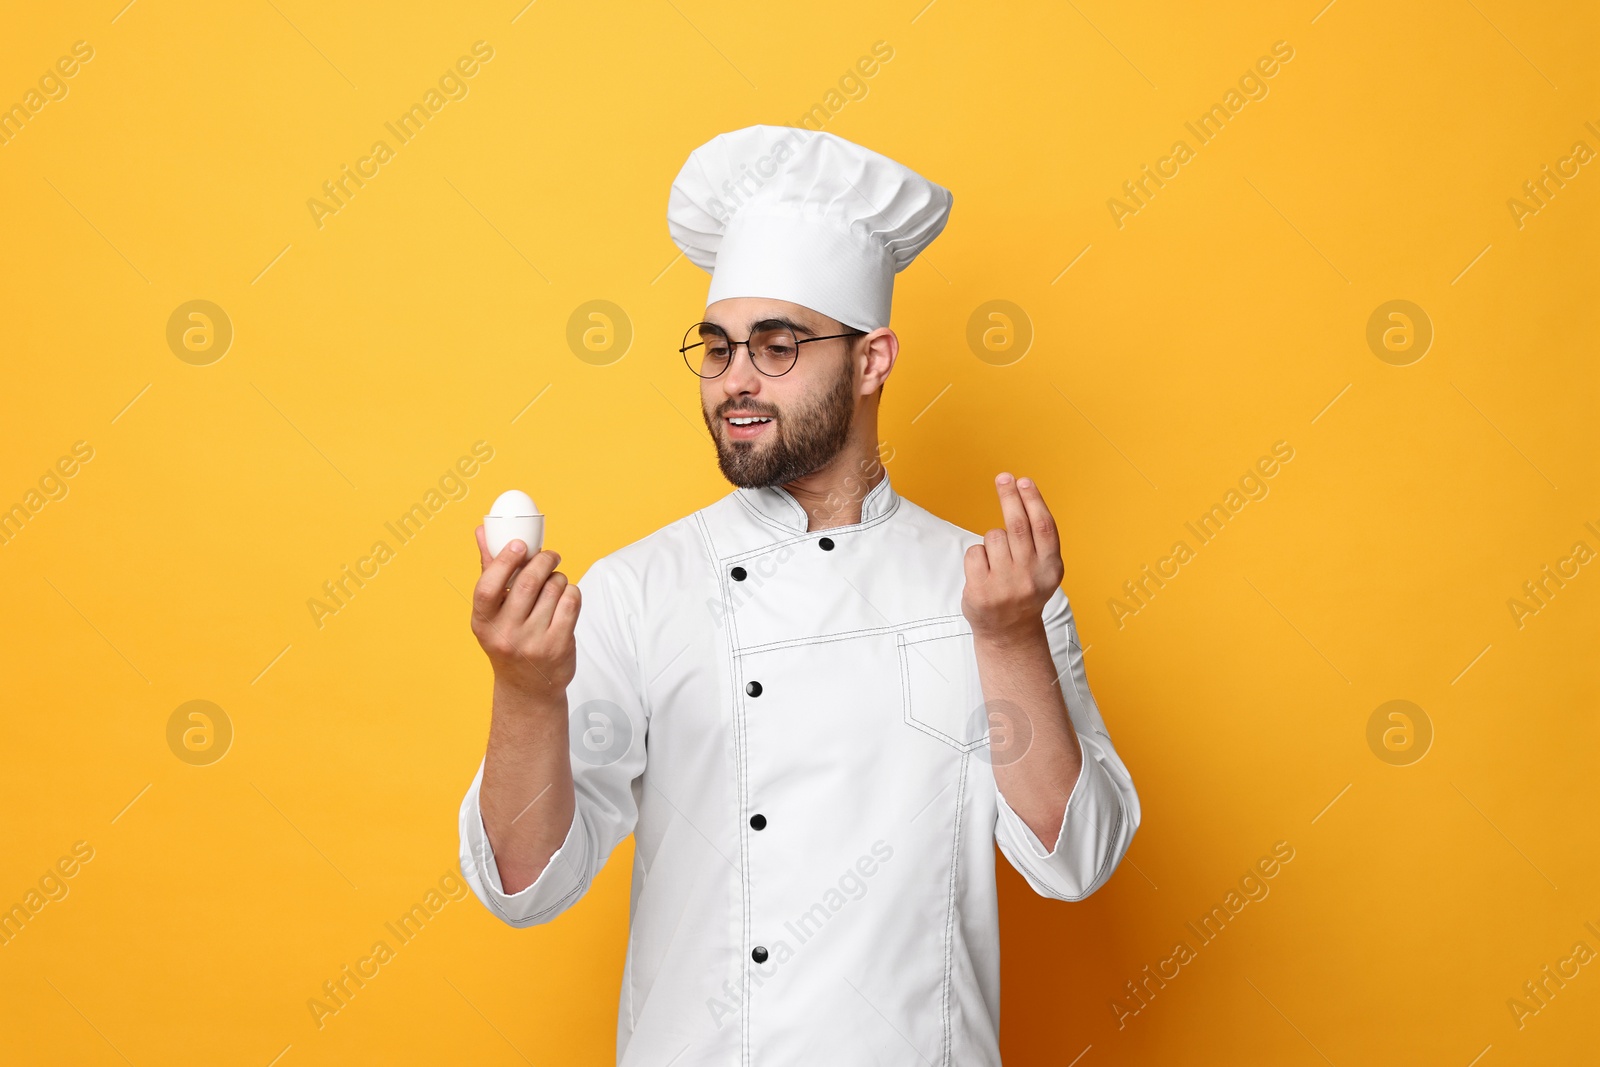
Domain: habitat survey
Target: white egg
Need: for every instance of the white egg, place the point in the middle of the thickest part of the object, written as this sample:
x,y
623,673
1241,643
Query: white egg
x,y
514,502
513,517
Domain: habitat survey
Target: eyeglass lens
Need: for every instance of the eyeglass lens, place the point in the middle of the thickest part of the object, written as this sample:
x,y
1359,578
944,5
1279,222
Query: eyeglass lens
x,y
707,350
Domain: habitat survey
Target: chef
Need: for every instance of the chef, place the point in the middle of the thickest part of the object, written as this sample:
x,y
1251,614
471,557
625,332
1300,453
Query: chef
x,y
816,706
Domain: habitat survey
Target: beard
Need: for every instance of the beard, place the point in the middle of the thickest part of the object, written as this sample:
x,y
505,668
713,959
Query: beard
x,y
800,441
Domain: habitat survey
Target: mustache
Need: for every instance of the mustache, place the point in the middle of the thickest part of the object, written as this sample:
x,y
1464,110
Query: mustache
x,y
727,406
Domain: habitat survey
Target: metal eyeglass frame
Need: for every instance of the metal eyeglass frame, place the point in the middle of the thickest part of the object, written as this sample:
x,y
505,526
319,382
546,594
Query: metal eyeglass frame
x,y
732,344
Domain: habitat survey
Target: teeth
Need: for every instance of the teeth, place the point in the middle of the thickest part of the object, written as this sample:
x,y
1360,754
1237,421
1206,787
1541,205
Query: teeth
x,y
748,421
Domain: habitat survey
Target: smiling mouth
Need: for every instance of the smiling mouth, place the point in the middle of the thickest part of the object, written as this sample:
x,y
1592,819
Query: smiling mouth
x,y
747,427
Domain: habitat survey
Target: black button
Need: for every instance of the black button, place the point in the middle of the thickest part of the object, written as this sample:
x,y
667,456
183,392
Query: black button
x,y
826,544
754,689
758,954
759,821
738,574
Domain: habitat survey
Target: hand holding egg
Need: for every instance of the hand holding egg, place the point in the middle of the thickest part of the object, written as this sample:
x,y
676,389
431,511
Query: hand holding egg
x,y
514,517
524,610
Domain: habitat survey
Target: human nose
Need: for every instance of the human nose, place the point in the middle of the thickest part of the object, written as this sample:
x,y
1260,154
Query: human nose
x,y
741,377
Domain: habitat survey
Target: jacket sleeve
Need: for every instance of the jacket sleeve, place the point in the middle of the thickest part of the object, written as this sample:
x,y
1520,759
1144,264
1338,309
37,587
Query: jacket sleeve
x,y
1103,808
607,719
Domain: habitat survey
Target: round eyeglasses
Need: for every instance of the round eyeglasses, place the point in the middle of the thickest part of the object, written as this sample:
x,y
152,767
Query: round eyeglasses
x,y
773,348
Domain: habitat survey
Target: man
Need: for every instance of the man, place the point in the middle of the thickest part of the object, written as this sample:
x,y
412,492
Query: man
x,y
815,705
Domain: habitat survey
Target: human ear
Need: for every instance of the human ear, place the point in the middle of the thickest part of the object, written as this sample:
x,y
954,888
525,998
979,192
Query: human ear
x,y
880,348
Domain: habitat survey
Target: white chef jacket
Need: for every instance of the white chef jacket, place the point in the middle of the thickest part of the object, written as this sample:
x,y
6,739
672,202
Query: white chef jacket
x,y
737,671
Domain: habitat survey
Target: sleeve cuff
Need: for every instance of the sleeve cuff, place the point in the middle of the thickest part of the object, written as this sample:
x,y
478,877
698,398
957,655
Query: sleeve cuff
x,y
1094,805
1074,798
556,887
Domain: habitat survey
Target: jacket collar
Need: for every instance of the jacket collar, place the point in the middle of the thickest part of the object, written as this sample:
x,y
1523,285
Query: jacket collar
x,y
777,505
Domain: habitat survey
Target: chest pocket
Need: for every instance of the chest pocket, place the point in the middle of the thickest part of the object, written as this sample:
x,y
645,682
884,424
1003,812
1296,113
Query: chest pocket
x,y
940,691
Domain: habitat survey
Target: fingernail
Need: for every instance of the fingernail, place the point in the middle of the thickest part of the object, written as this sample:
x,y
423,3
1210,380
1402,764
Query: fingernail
x,y
1025,483
517,548
1003,479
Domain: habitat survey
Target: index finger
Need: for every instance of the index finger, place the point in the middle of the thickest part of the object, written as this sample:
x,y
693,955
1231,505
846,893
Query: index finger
x,y
490,591
483,547
1019,526
1045,534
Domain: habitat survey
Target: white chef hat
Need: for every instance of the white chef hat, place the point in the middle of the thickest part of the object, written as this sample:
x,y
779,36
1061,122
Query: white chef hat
x,y
803,216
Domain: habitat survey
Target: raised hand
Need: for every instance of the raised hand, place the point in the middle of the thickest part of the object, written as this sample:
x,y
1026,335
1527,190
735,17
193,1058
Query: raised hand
x,y
523,614
1015,571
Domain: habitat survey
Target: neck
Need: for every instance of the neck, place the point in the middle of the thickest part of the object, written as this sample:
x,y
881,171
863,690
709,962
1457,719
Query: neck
x,y
832,496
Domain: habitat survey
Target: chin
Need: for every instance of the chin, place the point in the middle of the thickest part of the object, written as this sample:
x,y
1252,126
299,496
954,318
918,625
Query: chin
x,y
734,462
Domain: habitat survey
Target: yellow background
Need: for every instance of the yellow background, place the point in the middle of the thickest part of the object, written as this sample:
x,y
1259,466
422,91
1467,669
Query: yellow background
x,y
369,354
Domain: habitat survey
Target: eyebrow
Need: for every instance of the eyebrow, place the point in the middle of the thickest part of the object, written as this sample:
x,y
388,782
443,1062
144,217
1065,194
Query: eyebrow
x,y
797,327
779,321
